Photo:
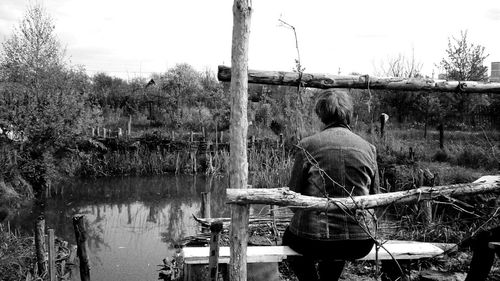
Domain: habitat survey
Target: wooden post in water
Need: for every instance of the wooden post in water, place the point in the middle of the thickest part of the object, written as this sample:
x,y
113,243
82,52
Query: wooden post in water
x,y
52,255
82,250
238,163
40,244
213,259
205,204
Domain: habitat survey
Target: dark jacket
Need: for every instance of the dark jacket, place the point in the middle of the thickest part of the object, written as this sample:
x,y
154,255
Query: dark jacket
x,y
334,163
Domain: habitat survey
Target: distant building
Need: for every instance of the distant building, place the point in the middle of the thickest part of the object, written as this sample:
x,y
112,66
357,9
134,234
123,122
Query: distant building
x,y
495,72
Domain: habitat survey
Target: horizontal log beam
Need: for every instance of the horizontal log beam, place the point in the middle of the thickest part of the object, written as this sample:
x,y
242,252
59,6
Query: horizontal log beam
x,y
285,197
326,81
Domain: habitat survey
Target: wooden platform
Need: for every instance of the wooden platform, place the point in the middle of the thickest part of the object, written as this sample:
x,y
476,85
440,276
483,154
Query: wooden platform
x,y
400,250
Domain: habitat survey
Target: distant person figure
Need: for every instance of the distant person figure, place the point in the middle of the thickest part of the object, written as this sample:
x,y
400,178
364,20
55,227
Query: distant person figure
x,y
333,163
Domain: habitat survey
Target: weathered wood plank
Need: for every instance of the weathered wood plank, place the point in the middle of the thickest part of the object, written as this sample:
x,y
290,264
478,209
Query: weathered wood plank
x,y
401,250
285,197
326,81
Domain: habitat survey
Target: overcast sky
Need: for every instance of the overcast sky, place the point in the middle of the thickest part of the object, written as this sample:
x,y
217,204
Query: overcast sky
x,y
128,38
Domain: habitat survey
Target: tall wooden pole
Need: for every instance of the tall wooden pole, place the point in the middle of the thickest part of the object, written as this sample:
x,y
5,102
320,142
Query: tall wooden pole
x,y
238,165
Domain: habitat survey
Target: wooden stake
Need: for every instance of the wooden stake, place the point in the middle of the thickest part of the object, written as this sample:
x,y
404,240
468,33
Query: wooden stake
x,y
441,135
82,250
238,165
213,259
205,204
40,244
52,256
129,126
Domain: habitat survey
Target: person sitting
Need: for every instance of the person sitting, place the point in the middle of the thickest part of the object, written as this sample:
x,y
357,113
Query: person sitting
x,y
333,163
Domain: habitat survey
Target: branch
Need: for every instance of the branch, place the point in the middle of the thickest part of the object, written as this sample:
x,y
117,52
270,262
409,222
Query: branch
x,y
285,197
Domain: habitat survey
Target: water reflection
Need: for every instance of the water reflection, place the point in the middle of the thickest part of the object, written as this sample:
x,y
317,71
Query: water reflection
x,y
134,222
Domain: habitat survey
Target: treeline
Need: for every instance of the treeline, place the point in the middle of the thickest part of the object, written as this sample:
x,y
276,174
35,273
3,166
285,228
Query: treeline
x,y
185,99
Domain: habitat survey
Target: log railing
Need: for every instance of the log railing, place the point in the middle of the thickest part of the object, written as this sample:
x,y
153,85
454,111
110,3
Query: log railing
x,y
285,197
326,81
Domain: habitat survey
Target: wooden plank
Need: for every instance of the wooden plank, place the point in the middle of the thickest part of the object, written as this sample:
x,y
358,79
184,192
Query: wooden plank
x,y
326,81
285,197
402,250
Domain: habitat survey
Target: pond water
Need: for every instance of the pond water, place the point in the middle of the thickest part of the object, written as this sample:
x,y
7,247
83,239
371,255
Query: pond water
x,y
133,222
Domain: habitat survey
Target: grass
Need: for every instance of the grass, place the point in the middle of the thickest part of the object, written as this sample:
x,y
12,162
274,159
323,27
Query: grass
x,y
16,256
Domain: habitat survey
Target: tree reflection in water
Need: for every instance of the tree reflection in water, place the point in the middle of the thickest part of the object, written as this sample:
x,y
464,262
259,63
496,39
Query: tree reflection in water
x,y
128,245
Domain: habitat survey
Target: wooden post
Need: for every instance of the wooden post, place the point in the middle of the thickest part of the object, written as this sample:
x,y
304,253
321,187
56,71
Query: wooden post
x,y
82,250
216,140
40,244
238,165
52,256
441,135
383,119
104,132
213,259
203,133
426,178
93,132
129,126
205,204
191,138
98,131
120,132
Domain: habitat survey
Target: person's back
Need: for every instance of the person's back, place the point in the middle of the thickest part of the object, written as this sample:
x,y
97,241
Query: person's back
x,y
335,163
332,163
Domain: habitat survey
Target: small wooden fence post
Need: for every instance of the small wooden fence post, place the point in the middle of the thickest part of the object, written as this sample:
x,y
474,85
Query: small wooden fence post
x,y
40,244
205,204
213,259
82,251
52,255
441,135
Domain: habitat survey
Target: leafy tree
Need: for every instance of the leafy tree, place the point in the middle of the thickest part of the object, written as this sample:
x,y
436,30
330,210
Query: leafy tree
x,y
464,62
43,101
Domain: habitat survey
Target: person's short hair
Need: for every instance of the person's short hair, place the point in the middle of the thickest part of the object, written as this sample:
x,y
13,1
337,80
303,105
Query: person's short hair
x,y
334,106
